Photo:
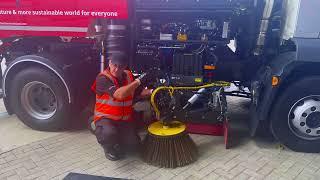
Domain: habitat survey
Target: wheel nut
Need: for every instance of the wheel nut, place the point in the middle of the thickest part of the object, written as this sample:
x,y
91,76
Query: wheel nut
x,y
313,108
304,115
308,131
302,124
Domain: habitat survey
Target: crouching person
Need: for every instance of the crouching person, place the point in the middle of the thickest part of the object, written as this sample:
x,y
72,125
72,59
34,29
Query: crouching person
x,y
116,89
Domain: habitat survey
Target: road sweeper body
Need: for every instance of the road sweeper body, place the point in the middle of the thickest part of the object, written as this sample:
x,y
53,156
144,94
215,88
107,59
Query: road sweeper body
x,y
52,50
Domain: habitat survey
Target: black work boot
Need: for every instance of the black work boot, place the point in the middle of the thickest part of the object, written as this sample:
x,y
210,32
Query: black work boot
x,y
113,153
119,150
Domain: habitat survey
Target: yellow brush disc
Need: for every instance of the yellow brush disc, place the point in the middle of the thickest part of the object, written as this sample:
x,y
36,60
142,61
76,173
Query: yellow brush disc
x,y
173,128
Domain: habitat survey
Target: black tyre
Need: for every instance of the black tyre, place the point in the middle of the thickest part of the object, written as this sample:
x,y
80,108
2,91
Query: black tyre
x,y
39,99
295,119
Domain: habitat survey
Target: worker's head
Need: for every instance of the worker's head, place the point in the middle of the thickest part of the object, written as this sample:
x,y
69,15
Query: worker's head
x,y
118,62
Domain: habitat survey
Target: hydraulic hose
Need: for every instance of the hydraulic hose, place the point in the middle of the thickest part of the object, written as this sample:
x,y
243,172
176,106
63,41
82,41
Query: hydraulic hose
x,y
171,90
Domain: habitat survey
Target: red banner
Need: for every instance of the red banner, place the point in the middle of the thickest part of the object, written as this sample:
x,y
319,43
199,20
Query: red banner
x,y
56,17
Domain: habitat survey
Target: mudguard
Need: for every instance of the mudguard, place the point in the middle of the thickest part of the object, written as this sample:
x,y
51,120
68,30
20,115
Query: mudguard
x,y
283,66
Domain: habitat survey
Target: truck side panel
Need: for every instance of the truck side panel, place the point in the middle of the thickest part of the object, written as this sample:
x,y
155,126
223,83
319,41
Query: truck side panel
x,y
6,14
307,26
308,49
53,18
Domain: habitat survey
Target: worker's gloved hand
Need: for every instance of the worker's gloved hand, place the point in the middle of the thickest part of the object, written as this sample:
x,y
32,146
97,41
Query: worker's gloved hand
x,y
143,78
148,77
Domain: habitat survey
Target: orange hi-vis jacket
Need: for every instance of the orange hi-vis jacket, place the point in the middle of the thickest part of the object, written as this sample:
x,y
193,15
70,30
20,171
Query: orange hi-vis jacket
x,y
111,108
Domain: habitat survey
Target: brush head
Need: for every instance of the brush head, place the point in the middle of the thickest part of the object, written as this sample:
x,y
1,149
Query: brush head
x,y
169,145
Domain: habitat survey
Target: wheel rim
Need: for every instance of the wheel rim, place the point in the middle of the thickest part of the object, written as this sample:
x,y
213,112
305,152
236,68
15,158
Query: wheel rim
x,y
304,118
39,100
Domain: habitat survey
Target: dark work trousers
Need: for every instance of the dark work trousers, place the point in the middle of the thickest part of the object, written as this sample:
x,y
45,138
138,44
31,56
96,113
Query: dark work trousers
x,y
110,133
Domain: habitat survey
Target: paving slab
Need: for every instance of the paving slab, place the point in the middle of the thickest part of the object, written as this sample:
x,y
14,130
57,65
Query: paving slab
x,y
78,151
13,133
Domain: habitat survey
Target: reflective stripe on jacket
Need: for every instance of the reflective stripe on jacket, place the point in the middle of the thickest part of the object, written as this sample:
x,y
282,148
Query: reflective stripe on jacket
x,y
111,108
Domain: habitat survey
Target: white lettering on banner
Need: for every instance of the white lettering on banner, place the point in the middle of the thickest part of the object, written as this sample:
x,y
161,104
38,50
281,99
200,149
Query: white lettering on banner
x,y
47,13
59,13
72,13
5,12
24,12
104,14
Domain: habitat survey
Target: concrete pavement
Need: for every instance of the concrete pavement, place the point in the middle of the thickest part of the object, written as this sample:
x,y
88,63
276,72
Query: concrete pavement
x,y
13,133
78,151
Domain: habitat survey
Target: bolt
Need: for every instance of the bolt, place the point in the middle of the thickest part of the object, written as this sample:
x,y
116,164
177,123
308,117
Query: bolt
x,y
308,131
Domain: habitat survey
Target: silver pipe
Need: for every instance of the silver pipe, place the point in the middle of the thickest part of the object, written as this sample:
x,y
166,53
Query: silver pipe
x,y
195,97
264,24
102,57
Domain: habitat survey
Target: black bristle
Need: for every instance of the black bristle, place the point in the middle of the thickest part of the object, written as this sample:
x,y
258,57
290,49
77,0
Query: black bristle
x,y
169,151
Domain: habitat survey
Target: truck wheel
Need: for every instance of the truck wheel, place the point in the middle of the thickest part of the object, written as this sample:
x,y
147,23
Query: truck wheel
x,y
40,99
295,119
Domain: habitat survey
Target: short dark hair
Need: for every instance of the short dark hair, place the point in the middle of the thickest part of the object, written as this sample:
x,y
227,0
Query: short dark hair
x,y
119,58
